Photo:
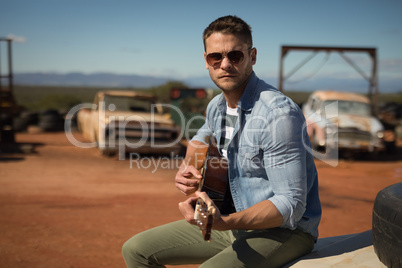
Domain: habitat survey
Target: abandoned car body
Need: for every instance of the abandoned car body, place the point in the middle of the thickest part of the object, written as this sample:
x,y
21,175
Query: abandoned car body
x,y
343,121
128,121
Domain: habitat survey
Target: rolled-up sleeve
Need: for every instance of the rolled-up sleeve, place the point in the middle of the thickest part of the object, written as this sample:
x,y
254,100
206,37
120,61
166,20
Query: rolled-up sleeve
x,y
203,134
285,164
206,130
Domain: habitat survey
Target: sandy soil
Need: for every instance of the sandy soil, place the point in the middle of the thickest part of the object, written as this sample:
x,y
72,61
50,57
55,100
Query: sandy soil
x,y
63,206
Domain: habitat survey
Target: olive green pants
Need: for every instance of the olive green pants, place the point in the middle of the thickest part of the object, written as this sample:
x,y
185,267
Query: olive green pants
x,y
182,243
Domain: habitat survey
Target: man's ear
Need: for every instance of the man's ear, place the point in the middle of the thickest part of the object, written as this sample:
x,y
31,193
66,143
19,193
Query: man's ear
x,y
206,63
253,56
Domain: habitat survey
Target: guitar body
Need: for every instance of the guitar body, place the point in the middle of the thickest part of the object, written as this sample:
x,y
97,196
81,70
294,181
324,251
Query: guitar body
x,y
215,174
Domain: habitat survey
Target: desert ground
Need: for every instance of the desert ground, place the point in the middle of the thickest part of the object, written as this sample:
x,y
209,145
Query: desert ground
x,y
65,206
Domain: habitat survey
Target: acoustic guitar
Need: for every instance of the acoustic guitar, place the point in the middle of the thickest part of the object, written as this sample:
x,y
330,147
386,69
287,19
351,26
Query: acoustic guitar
x,y
213,182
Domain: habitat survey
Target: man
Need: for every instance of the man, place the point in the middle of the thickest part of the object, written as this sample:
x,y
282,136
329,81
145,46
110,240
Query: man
x,y
271,209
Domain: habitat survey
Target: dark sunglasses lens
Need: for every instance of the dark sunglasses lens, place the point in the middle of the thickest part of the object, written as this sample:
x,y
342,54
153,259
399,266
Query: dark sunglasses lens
x,y
235,56
214,58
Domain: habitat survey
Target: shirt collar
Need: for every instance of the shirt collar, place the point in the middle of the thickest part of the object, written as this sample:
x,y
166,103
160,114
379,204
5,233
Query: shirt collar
x,y
247,100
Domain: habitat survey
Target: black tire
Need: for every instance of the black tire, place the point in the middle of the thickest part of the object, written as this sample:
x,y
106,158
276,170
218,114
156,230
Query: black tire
x,y
387,225
51,120
25,119
20,124
107,152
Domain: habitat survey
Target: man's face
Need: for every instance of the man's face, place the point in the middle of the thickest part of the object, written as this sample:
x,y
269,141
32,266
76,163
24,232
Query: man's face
x,y
227,75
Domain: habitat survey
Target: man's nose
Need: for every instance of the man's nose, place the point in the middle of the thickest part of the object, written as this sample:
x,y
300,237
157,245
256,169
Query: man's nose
x,y
226,64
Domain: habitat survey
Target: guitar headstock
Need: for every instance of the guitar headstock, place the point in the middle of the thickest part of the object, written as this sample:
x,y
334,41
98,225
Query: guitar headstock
x,y
204,218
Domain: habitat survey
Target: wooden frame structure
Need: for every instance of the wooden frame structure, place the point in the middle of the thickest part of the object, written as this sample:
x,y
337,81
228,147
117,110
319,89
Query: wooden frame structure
x,y
372,52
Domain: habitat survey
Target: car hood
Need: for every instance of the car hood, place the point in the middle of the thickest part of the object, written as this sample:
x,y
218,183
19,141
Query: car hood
x,y
362,123
138,116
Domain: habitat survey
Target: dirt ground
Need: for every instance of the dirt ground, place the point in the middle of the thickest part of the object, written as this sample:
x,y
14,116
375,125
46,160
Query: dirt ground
x,y
64,206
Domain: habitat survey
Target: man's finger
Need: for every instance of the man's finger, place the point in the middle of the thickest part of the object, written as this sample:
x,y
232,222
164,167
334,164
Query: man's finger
x,y
191,170
186,189
205,197
187,182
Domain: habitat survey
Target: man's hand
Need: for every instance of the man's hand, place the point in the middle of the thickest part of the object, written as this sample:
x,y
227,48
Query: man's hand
x,y
187,209
187,179
218,222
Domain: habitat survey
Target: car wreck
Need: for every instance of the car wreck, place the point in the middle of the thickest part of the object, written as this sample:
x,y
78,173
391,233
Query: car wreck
x,y
342,121
128,121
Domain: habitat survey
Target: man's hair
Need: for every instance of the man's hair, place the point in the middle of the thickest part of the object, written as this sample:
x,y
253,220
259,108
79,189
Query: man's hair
x,y
229,25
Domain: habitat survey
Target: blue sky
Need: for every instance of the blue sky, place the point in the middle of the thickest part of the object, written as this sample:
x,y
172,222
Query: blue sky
x,y
163,38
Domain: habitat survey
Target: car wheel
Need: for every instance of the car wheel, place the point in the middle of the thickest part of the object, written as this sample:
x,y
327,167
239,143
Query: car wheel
x,y
107,152
315,144
387,225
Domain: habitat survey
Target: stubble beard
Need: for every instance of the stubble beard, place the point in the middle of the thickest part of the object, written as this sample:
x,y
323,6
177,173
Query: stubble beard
x,y
232,84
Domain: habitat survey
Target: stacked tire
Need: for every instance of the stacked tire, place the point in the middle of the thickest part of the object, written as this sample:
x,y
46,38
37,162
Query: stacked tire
x,y
387,225
51,120
24,120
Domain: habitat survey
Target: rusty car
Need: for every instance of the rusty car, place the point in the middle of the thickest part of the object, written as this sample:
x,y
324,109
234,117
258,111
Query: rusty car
x,y
128,121
342,121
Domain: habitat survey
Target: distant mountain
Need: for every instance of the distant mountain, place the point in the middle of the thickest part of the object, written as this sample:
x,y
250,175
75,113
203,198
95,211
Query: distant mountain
x,y
104,80
80,79
139,81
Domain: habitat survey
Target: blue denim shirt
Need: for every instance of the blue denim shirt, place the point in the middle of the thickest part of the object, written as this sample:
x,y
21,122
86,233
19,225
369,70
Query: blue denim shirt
x,y
268,156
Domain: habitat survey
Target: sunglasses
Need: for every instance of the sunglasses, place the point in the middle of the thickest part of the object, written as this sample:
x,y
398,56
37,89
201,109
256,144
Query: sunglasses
x,y
234,56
